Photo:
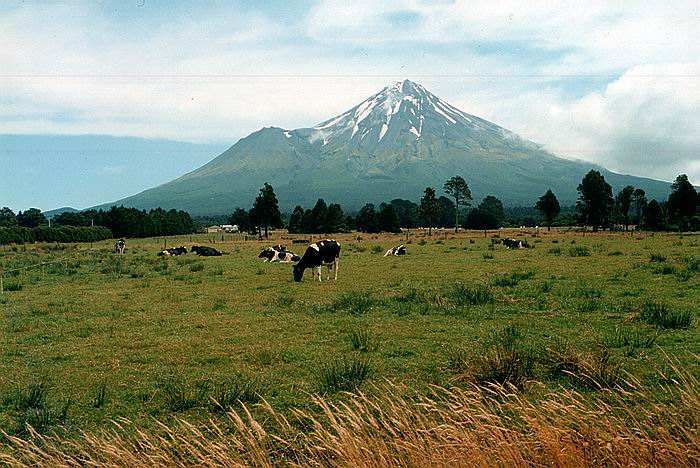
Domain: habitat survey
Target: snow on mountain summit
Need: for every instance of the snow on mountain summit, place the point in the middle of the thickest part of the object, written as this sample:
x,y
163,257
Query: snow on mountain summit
x,y
401,109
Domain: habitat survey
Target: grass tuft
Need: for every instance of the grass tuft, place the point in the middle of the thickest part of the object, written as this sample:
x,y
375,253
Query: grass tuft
x,y
506,360
461,294
356,302
657,258
180,395
661,315
239,389
362,340
345,374
579,251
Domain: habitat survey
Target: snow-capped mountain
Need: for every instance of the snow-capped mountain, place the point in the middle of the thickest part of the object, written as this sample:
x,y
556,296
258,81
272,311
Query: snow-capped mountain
x,y
403,110
392,145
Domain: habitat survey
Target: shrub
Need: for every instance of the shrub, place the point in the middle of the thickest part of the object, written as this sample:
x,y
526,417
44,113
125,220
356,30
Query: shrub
x,y
377,249
579,251
661,315
345,374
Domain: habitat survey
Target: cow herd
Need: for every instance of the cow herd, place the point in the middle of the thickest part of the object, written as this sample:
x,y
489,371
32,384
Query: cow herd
x,y
322,253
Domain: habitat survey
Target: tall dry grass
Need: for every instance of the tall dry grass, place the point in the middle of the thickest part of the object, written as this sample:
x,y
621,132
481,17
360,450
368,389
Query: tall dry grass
x,y
479,426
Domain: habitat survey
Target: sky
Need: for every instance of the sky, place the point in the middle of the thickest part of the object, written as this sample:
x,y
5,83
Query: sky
x,y
613,83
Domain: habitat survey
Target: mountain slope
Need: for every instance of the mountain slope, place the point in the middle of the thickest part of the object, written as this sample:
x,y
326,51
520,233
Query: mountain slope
x,y
392,145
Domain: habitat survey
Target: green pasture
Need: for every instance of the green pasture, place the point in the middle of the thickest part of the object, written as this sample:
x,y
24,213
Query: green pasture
x,y
91,336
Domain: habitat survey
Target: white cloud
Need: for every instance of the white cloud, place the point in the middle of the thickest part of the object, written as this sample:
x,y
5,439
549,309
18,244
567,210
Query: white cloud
x,y
644,123
219,76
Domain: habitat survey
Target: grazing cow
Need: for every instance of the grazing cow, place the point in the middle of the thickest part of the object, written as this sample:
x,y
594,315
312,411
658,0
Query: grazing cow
x,y
325,252
271,254
173,251
400,250
119,246
205,251
515,244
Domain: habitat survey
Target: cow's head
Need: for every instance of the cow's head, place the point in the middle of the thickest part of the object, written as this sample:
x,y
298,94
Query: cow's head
x,y
267,253
298,273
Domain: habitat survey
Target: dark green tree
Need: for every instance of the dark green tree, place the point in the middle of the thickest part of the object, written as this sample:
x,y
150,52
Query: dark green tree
x,y
430,209
240,218
7,217
624,202
367,219
639,200
265,212
548,205
654,216
447,213
295,221
481,219
596,200
407,212
388,219
682,202
494,206
71,218
31,218
457,188
335,219
319,214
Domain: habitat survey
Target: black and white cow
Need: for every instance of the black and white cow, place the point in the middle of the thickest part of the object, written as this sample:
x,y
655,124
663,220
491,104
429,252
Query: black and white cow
x,y
400,250
271,254
515,244
119,246
173,251
205,251
325,252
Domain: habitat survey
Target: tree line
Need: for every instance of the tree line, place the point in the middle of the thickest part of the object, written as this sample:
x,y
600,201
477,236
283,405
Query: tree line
x,y
92,225
596,207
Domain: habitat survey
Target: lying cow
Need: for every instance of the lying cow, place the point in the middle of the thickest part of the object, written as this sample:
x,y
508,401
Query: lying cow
x,y
173,251
270,254
515,244
325,252
205,251
119,246
400,250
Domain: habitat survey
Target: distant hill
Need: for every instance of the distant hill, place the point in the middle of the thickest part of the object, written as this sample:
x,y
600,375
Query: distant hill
x,y
52,213
392,145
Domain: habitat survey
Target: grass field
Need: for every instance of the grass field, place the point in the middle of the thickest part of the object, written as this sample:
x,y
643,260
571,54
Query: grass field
x,y
94,336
